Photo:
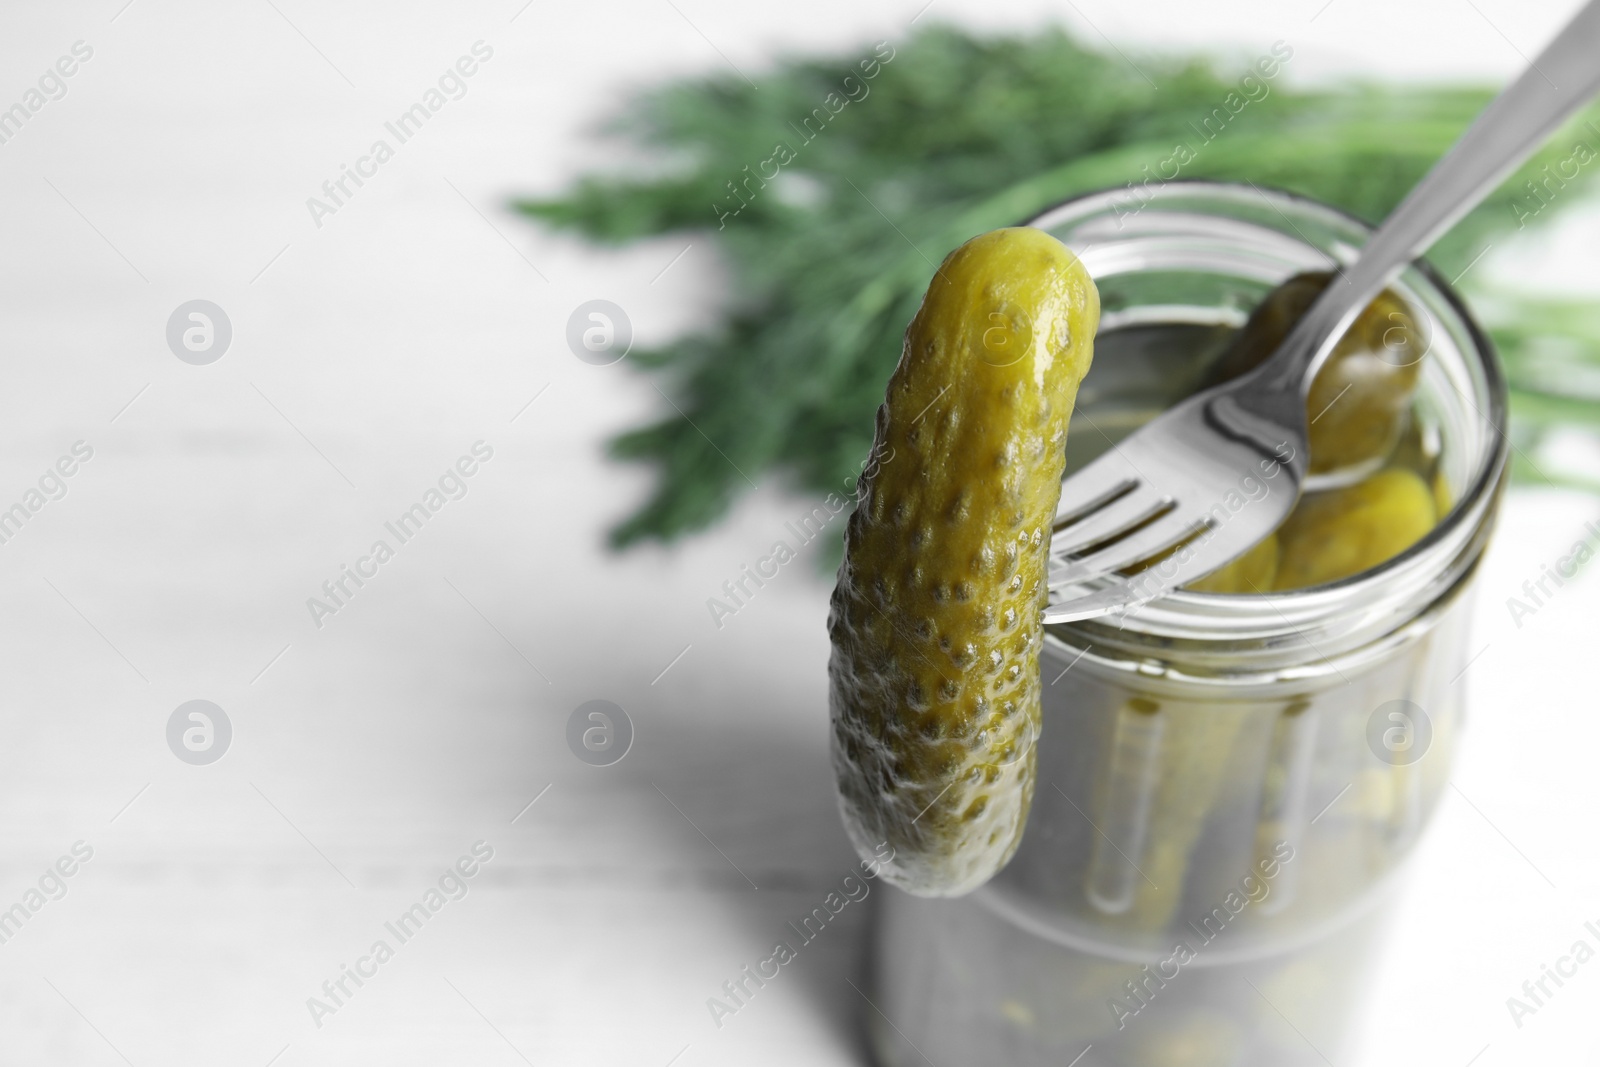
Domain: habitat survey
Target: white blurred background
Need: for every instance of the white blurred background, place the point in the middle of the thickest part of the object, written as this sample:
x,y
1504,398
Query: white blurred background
x,y
370,753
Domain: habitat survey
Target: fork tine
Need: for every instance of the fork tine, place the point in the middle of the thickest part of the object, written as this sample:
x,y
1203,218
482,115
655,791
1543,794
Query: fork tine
x,y
1131,593
1068,513
1097,484
1171,529
1201,453
1127,511
1105,601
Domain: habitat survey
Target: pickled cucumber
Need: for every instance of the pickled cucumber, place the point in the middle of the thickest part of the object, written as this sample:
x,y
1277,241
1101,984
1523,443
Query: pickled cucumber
x,y
1359,411
1340,532
936,620
1253,572
1361,396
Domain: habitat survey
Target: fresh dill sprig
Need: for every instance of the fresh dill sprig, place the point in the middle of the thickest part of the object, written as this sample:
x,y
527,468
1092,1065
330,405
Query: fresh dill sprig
x,y
950,135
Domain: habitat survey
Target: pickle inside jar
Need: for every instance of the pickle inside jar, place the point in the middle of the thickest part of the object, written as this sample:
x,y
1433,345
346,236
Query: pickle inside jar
x,y
1361,396
1360,417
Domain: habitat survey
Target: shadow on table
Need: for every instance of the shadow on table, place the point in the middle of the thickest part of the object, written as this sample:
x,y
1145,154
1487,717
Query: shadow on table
x,y
761,794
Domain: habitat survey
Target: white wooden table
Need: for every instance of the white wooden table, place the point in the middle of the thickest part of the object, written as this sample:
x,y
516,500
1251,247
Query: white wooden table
x,y
371,752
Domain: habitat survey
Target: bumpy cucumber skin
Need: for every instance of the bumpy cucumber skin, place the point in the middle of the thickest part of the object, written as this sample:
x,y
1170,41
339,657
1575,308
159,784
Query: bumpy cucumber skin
x,y
936,620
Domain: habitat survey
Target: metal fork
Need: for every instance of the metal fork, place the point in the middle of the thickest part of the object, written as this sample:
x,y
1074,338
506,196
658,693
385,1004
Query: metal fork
x,y
1165,485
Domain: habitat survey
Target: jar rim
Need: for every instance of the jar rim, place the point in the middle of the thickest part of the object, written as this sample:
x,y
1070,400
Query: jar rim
x,y
1361,607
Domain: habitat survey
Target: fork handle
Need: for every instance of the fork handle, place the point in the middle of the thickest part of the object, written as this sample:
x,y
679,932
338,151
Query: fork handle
x,y
1564,76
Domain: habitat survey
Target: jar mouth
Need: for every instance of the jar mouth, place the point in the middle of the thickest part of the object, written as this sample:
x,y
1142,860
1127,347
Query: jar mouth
x,y
1243,231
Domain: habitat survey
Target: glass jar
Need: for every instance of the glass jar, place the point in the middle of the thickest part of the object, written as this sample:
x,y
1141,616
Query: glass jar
x,y
1227,785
